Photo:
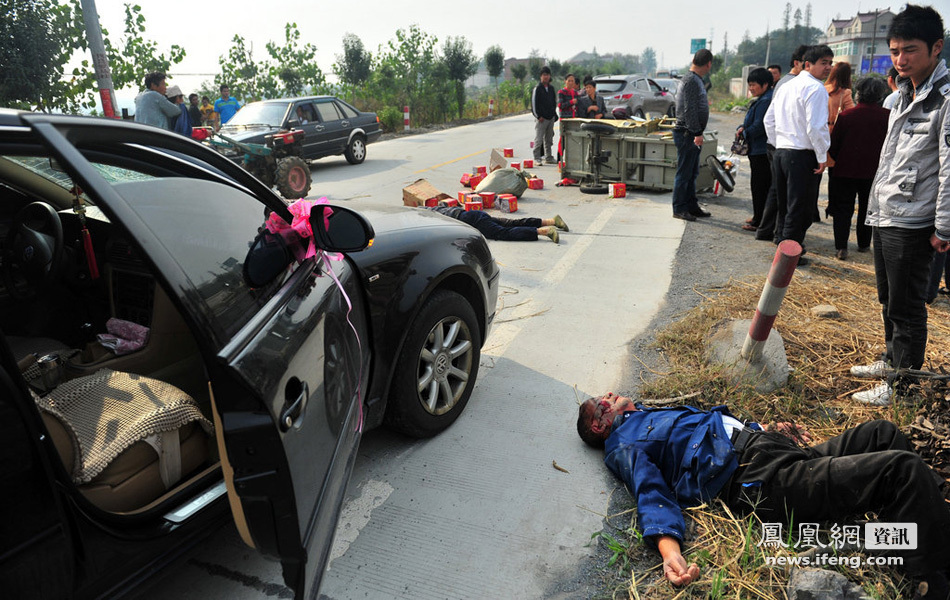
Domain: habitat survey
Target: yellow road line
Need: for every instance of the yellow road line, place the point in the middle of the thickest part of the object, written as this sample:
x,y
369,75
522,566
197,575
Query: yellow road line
x,y
449,162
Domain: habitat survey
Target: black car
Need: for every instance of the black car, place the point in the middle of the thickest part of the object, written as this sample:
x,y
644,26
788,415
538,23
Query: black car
x,y
331,126
263,361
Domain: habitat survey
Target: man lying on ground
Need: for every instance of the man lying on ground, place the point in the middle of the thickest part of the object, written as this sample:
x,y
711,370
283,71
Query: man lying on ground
x,y
512,230
675,457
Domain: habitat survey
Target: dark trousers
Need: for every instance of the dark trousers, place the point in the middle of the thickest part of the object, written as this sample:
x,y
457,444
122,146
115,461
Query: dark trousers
x,y
841,194
902,259
761,183
869,468
939,268
766,230
687,169
497,228
796,188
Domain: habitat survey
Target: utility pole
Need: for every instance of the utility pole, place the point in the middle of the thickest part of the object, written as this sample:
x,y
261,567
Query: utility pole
x,y
873,43
768,44
99,59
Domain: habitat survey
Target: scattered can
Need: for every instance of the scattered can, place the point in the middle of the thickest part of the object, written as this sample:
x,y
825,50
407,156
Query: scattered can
x,y
488,199
508,152
527,163
617,190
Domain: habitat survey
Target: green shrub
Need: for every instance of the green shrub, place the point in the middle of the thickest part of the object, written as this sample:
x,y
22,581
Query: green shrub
x,y
390,118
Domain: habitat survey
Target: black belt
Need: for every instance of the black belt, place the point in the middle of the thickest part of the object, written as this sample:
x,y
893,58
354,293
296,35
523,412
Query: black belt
x,y
741,438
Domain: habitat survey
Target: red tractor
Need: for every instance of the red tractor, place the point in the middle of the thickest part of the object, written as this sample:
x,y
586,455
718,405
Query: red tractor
x,y
278,162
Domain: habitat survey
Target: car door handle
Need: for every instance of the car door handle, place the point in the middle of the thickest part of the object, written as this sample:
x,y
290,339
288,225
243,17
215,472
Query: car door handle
x,y
345,123
319,128
296,393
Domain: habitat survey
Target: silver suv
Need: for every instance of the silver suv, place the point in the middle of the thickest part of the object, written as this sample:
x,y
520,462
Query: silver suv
x,y
638,94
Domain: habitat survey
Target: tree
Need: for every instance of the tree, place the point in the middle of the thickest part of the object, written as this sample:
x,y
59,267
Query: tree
x,y
460,64
293,66
787,16
28,52
240,72
519,71
649,60
495,62
403,73
535,63
355,64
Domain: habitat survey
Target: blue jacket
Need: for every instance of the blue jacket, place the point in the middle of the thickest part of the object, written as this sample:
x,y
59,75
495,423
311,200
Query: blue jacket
x,y
670,458
754,126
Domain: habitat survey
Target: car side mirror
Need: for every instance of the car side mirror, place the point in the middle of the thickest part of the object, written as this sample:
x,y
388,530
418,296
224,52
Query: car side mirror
x,y
268,257
338,229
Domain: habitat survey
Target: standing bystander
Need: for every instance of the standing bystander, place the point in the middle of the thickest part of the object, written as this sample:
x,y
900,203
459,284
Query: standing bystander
x,y
208,116
776,71
182,123
194,111
891,100
909,207
692,115
767,226
797,125
753,128
591,106
567,99
226,105
838,87
856,149
151,106
544,109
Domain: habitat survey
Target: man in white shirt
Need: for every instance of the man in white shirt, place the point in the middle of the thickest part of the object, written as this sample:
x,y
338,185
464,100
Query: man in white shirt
x,y
797,125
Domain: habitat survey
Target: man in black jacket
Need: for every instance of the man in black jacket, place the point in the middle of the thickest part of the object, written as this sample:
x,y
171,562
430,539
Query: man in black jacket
x,y
692,115
544,109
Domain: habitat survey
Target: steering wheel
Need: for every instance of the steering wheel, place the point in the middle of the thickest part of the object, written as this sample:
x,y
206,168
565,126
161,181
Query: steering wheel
x,y
33,250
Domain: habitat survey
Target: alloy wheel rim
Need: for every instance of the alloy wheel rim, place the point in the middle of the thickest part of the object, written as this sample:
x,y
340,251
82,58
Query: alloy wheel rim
x,y
445,364
359,149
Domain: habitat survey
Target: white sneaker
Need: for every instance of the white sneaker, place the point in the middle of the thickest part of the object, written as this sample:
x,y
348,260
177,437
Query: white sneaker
x,y
879,395
873,370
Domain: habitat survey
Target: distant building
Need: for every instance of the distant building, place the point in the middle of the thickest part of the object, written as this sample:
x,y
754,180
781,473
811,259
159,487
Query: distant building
x,y
510,62
861,41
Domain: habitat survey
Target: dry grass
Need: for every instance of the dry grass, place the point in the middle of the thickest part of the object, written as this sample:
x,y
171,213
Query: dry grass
x,y
821,351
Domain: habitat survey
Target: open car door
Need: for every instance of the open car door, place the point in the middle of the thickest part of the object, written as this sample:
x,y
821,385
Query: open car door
x,y
284,342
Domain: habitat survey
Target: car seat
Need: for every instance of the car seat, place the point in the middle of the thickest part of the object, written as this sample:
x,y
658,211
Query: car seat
x,y
124,439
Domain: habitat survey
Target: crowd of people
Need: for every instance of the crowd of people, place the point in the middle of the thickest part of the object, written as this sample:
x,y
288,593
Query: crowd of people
x,y
890,153
164,106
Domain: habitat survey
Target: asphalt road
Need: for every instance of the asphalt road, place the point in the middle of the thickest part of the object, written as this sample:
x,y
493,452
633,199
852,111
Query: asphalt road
x,y
480,511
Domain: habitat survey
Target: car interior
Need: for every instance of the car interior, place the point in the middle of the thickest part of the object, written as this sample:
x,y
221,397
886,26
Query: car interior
x,y
129,418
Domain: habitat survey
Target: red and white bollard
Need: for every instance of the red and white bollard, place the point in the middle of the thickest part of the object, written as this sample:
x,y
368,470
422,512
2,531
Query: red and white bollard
x,y
405,117
780,275
491,106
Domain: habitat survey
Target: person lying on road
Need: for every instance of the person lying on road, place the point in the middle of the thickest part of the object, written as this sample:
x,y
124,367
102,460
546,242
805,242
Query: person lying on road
x,y
512,230
670,458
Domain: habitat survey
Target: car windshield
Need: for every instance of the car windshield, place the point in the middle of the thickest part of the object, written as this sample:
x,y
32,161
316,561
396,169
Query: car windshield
x,y
669,84
49,170
260,113
609,86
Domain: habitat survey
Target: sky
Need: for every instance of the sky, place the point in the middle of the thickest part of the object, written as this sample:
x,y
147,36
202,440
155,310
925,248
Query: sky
x,y
554,28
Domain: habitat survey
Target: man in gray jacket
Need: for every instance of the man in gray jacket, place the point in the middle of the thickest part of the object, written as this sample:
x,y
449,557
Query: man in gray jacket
x,y
692,115
909,207
151,106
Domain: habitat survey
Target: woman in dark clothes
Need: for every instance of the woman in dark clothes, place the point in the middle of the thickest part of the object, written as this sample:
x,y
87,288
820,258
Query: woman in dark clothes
x,y
856,149
760,86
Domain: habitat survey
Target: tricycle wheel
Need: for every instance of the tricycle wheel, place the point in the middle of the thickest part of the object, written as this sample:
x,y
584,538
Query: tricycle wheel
x,y
293,177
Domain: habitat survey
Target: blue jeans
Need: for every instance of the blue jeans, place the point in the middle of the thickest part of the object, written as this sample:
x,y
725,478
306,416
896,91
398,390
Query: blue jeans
x,y
902,259
687,169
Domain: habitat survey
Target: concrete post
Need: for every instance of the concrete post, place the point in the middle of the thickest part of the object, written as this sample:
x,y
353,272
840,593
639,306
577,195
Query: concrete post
x,y
780,275
405,117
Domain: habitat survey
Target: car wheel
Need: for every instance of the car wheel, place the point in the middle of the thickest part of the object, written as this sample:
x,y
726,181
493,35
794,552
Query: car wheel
x,y
293,177
437,367
355,152
593,189
639,113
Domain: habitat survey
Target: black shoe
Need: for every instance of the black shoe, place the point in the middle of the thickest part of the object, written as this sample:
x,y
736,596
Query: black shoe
x,y
764,238
685,216
698,212
803,262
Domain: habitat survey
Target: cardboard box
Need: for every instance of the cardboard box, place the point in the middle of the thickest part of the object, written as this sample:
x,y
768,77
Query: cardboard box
x,y
535,184
496,161
617,190
488,199
507,203
420,192
509,152
527,163
473,205
516,165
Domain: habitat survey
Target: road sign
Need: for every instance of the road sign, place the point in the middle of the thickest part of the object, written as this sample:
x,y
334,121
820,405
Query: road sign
x,y
696,44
